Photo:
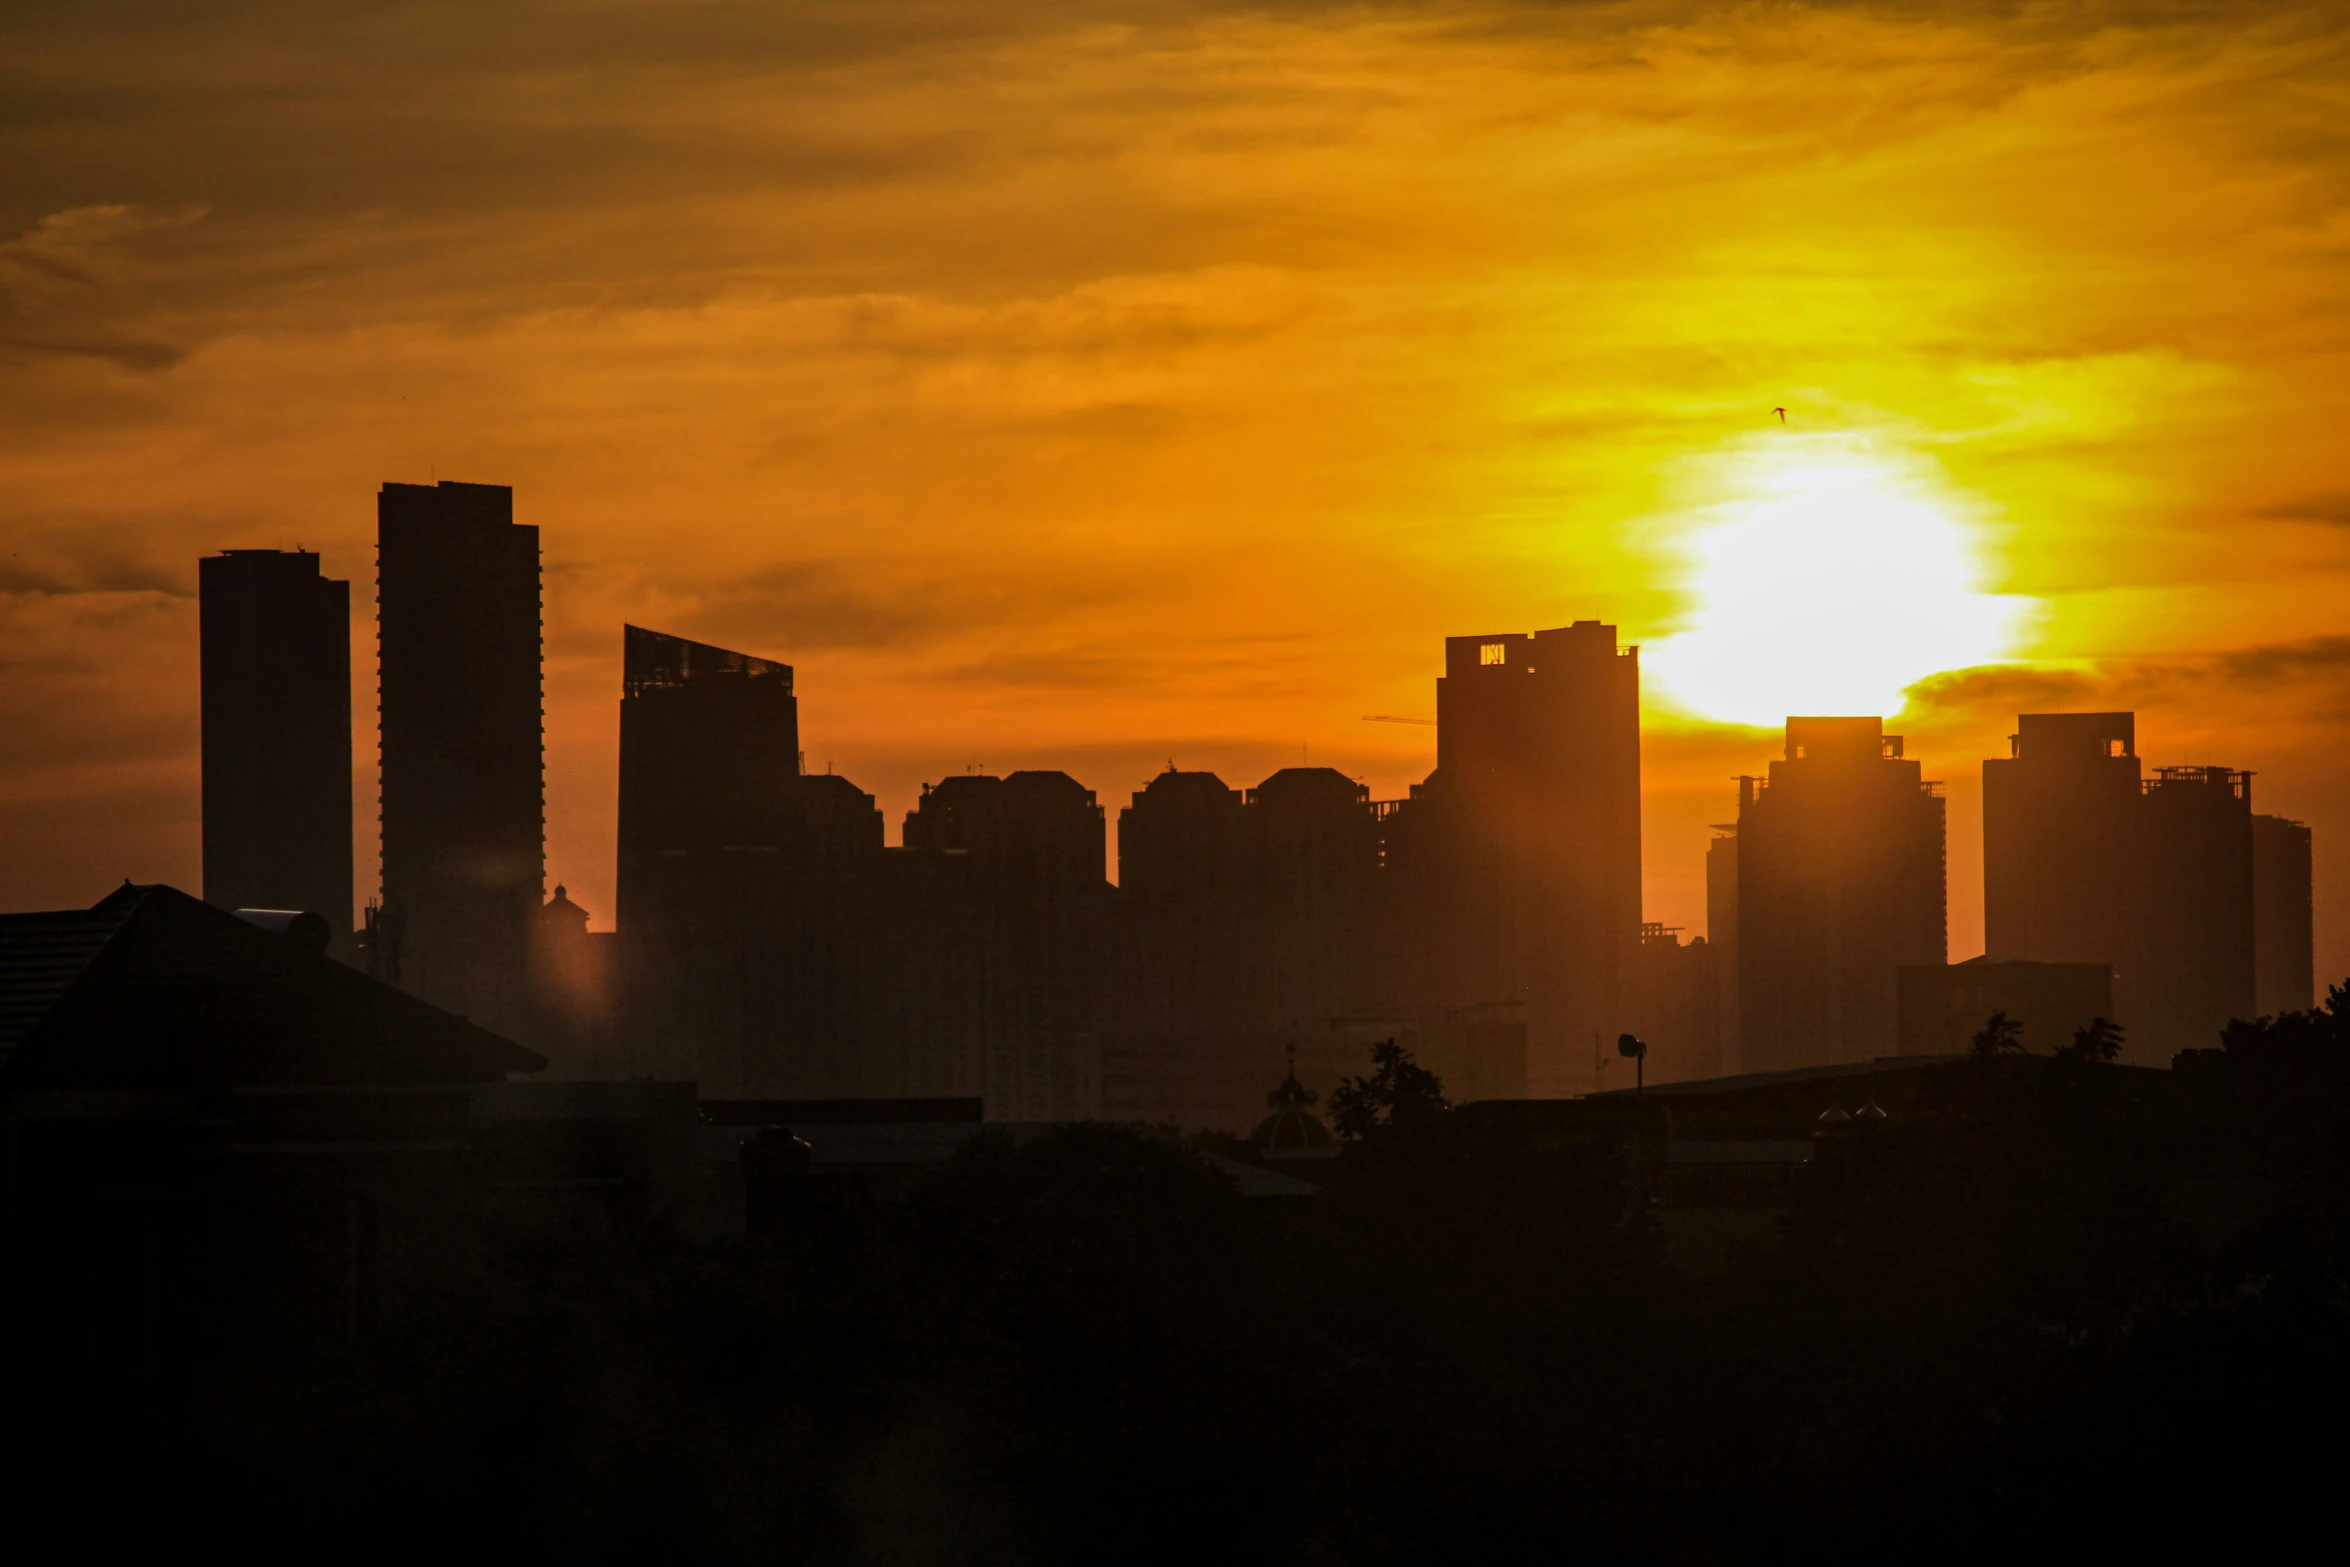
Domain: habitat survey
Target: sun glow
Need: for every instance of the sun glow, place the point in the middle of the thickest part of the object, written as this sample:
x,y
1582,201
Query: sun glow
x,y
1829,589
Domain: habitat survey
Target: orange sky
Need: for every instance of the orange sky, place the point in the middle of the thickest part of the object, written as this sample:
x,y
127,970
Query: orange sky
x,y
1086,389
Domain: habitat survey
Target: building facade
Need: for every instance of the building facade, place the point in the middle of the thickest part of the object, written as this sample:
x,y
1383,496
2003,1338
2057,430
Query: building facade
x,y
2283,960
1840,883
1535,838
463,797
2087,860
276,649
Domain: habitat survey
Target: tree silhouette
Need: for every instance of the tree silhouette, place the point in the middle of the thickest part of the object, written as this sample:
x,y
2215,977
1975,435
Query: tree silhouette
x,y
1999,1035
1399,1092
2100,1039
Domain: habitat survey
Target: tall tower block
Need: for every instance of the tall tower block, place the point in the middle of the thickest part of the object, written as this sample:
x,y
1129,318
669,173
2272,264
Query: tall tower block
x,y
464,805
1538,786
2062,849
2284,967
276,650
1840,883
2085,860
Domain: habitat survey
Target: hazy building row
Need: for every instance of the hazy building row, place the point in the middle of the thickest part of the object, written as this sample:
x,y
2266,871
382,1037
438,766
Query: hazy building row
x,y
2160,902
770,944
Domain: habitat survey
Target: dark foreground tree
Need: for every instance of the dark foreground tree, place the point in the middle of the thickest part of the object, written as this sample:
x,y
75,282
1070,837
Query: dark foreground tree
x,y
1399,1093
2098,1040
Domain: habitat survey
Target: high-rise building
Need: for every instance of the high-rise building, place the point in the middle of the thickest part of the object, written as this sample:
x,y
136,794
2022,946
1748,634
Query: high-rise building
x,y
2283,962
709,767
1676,1009
1313,860
464,806
1536,806
1840,883
2062,857
2087,861
276,651
1034,844
709,750
1721,933
2196,963
1180,844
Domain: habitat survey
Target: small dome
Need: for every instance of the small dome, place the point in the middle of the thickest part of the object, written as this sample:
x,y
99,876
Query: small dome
x,y
1293,1131
1835,1115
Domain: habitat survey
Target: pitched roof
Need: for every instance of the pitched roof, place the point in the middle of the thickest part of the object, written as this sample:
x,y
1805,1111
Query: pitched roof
x,y
150,969
41,955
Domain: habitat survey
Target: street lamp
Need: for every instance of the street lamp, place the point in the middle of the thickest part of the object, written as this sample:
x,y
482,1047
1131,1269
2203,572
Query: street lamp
x,y
1635,1050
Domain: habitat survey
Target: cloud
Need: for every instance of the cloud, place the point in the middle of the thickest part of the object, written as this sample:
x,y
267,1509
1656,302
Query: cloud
x,y
2309,671
2331,507
128,355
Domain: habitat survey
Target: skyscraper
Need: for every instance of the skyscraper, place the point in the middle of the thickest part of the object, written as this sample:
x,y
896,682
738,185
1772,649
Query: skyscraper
x,y
276,650
2196,968
2283,964
1180,843
1537,799
2087,861
2061,827
1034,844
1721,933
706,905
1840,882
709,751
464,849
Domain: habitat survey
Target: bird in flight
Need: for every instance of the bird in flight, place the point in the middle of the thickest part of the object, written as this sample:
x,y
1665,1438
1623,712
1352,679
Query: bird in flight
x,y
1782,413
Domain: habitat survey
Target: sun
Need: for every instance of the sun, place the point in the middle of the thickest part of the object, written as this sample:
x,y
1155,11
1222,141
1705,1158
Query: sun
x,y
1828,587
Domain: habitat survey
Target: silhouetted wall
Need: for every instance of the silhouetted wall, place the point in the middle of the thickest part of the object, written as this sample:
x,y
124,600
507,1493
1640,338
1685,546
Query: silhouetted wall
x,y
464,806
1840,882
1944,1006
276,650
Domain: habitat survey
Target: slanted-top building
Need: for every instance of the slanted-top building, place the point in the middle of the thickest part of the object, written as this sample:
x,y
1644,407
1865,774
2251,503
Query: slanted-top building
x,y
1840,883
464,804
709,754
276,648
709,769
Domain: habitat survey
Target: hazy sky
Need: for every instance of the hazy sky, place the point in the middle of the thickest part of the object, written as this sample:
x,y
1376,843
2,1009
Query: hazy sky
x,y
1089,388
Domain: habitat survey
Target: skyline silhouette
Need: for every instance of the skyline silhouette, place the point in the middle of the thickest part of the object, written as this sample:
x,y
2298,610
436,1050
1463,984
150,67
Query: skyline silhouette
x,y
771,943
976,781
